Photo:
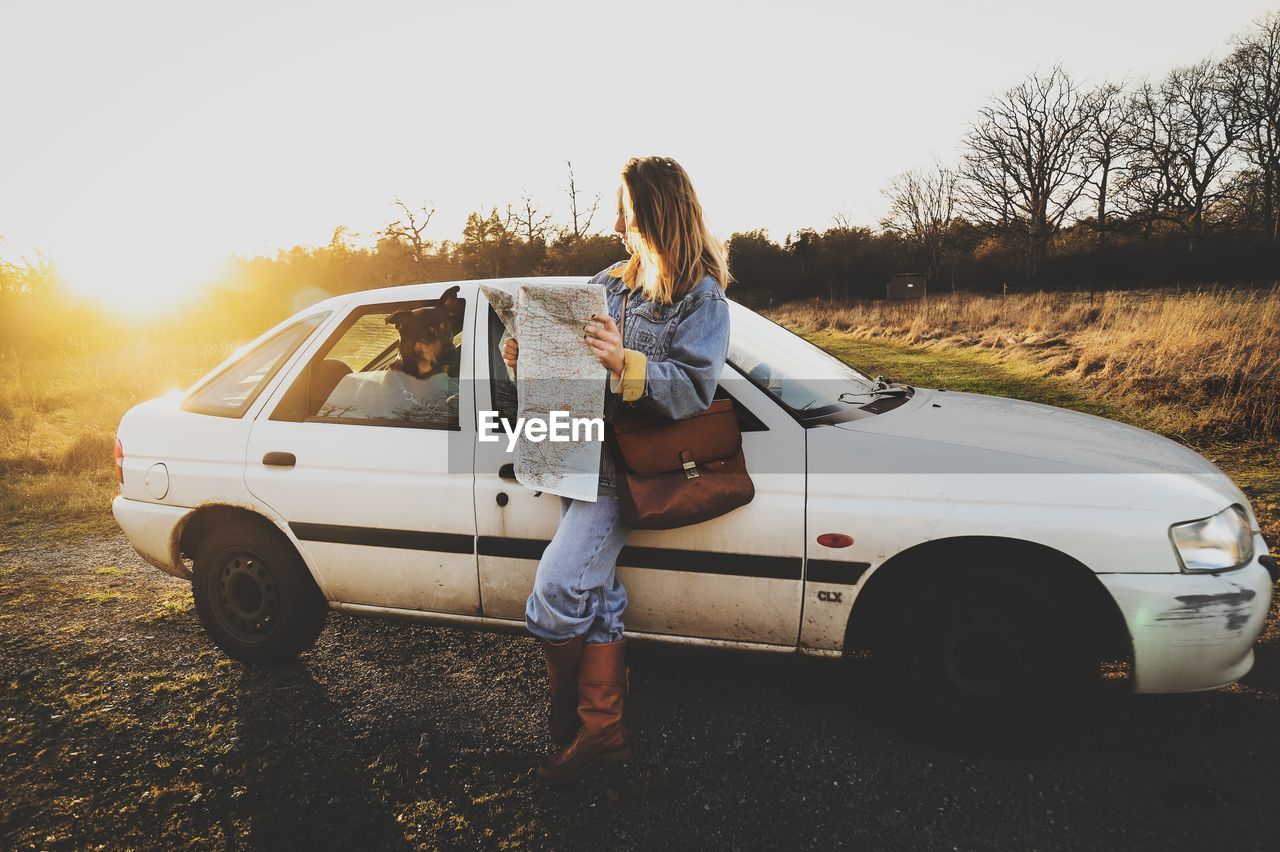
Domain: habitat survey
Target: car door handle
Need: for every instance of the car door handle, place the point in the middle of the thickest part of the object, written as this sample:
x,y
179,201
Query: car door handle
x,y
508,471
280,459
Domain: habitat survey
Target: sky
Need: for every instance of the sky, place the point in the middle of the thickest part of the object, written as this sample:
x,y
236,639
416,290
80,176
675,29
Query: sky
x,y
141,144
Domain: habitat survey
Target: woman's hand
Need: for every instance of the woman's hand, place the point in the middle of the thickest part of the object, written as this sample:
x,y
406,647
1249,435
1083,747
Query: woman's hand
x,y
510,353
605,342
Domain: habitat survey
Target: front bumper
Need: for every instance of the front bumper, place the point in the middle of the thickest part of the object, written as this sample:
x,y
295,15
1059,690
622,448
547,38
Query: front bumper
x,y
1193,632
153,530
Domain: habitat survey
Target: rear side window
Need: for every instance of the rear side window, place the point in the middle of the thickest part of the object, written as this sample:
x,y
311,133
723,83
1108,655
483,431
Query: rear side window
x,y
231,392
389,364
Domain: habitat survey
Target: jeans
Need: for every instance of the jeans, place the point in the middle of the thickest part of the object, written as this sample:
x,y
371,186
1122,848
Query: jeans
x,y
576,589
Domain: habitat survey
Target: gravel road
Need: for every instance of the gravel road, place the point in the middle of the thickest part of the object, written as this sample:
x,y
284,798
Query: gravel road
x,y
121,726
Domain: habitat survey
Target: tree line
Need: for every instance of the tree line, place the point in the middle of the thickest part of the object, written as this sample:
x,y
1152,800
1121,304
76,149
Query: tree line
x,y
1058,183
520,239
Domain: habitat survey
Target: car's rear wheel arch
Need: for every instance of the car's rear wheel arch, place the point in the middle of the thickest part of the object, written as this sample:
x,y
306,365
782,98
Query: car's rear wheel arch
x,y
206,518
1067,575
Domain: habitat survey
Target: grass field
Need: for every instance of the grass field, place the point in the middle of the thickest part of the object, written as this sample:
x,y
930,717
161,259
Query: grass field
x,y
58,416
1199,367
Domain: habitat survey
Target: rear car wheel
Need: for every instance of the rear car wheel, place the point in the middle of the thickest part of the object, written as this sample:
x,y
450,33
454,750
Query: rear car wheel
x,y
990,653
254,595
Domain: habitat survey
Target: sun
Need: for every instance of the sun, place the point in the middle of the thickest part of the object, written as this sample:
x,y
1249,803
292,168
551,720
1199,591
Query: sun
x,y
139,283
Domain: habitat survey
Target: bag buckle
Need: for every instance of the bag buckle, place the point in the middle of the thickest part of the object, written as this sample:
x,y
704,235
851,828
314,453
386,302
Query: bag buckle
x,y
691,470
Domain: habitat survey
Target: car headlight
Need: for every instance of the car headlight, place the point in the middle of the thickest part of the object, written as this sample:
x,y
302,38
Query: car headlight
x,y
1216,543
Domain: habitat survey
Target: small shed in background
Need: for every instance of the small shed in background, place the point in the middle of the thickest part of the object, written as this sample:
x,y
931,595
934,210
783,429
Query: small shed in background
x,y
906,285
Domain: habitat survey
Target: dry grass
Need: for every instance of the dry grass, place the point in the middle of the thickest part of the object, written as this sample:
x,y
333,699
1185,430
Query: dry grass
x,y
107,596
1202,366
58,416
172,606
1198,364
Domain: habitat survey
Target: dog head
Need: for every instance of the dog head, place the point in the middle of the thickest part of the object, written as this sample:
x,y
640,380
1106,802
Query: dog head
x,y
426,334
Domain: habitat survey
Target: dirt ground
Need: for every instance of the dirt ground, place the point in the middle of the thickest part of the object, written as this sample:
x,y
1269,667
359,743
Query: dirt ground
x,y
122,726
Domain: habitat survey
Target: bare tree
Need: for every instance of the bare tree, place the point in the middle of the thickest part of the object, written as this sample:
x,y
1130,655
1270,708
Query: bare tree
x,y
1256,64
1026,165
527,220
409,229
1146,189
1182,135
580,216
1104,145
921,208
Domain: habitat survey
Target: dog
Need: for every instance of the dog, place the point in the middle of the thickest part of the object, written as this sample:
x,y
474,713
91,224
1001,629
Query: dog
x,y
426,335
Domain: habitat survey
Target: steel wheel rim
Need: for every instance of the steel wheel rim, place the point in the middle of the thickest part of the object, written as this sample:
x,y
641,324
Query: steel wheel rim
x,y
247,596
983,652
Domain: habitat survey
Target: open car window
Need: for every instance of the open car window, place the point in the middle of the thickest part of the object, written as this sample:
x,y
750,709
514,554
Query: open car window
x,y
231,392
360,376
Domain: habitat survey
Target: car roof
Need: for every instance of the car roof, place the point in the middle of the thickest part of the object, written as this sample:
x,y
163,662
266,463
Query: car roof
x,y
408,292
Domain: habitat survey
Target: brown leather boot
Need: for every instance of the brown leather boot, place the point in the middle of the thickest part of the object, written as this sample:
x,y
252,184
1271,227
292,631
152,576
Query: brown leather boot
x,y
602,683
562,675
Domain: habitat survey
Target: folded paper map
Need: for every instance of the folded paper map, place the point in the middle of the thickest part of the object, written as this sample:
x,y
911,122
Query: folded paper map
x,y
557,372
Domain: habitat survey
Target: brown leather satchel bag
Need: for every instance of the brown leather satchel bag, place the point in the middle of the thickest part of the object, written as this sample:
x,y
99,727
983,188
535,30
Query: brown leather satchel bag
x,y
672,473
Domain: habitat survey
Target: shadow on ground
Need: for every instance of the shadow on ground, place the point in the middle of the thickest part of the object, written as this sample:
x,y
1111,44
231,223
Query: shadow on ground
x,y
124,727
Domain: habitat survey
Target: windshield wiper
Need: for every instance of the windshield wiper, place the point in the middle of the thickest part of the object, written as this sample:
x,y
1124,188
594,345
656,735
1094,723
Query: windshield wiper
x,y
883,387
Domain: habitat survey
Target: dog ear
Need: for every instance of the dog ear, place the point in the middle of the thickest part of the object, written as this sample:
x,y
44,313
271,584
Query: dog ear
x,y
398,318
450,303
449,299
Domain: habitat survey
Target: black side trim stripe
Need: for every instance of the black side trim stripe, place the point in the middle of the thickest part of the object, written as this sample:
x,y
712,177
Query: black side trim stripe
x,y
658,558
831,571
374,537
512,548
705,562
662,559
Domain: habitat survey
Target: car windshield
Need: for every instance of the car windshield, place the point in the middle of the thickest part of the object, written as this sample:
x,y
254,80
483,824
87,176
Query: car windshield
x,y
798,374
231,392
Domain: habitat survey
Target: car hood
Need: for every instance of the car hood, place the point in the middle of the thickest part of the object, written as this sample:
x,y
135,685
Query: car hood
x,y
1015,434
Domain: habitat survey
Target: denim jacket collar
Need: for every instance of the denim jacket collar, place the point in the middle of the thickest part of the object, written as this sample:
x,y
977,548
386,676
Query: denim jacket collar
x,y
615,286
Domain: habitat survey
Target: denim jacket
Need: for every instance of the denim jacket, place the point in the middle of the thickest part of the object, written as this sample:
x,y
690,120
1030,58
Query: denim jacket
x,y
673,353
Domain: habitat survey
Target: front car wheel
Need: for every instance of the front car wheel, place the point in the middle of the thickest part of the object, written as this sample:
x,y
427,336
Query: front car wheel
x,y
993,653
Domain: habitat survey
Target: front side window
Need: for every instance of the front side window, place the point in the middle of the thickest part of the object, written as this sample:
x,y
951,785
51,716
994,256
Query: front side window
x,y
503,386
393,364
231,392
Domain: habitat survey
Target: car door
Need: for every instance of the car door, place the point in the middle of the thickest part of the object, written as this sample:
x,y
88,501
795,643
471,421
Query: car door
x,y
372,468
736,578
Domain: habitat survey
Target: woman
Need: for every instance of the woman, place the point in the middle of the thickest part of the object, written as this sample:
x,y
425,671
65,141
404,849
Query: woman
x,y
677,338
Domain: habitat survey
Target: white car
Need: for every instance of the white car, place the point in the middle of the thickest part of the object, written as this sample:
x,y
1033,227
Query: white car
x,y
988,552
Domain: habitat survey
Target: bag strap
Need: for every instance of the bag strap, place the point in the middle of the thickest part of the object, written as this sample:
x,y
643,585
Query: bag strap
x,y
622,319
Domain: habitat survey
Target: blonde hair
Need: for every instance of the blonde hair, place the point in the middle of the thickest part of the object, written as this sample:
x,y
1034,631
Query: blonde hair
x,y
672,247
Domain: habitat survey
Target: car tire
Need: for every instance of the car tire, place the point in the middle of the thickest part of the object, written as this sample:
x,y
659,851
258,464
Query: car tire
x,y
986,654
254,594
